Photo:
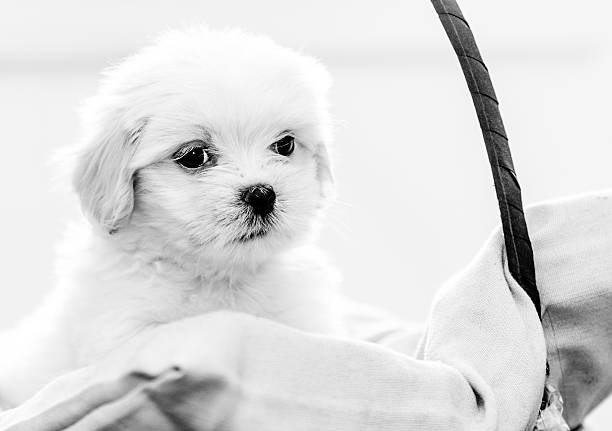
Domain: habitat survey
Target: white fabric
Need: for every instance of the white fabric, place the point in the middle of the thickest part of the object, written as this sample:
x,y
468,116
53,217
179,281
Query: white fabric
x,y
479,366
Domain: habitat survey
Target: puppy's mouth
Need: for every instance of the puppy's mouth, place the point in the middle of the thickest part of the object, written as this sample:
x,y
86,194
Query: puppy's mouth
x,y
255,227
253,235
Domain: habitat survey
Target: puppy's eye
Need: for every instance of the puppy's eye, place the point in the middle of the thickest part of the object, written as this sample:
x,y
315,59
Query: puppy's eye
x,y
284,146
191,157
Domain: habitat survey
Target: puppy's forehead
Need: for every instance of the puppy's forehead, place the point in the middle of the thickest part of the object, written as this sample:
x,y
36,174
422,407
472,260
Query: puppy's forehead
x,y
244,98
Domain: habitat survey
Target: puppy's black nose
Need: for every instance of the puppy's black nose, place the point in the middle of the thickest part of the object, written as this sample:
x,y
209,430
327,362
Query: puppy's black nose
x,y
260,197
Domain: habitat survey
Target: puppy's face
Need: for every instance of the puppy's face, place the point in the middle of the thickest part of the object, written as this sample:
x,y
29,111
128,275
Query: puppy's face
x,y
209,144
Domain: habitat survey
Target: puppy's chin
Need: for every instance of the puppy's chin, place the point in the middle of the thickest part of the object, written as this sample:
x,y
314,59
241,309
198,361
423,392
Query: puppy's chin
x,y
255,245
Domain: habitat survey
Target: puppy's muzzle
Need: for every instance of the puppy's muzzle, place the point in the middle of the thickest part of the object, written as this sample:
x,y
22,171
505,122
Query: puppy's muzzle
x,y
260,197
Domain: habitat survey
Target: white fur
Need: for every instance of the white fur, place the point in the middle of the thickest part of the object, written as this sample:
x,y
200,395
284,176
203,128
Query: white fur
x,y
162,242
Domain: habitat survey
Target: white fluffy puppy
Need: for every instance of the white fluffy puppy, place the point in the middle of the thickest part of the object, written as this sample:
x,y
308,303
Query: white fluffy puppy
x,y
203,171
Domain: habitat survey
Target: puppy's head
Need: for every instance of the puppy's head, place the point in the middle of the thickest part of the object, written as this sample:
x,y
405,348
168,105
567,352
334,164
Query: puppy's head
x,y
211,143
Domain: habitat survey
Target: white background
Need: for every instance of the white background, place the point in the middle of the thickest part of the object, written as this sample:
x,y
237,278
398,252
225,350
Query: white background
x,y
416,198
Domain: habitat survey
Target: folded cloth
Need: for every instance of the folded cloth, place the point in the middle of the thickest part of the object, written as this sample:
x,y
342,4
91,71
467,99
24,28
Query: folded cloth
x,y
478,366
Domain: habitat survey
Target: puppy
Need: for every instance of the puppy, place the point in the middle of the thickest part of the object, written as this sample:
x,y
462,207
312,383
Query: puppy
x,y
203,172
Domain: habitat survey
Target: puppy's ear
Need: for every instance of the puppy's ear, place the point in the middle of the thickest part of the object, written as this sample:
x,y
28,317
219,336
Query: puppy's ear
x,y
103,178
324,171
321,83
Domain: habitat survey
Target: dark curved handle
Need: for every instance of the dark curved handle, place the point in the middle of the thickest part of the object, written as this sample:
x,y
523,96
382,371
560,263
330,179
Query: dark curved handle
x,y
518,245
